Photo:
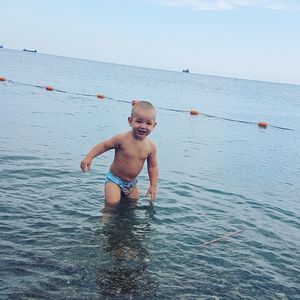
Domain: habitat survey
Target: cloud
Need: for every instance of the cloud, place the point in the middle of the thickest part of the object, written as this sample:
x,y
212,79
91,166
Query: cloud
x,y
231,4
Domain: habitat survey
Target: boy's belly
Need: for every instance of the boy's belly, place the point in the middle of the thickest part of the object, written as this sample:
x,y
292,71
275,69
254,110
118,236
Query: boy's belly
x,y
126,171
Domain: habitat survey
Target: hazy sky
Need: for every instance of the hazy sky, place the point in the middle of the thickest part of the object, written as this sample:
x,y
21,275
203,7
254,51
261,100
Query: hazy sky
x,y
254,39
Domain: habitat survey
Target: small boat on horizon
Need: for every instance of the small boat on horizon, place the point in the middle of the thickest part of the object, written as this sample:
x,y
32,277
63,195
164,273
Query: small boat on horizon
x,y
1,46
186,71
28,50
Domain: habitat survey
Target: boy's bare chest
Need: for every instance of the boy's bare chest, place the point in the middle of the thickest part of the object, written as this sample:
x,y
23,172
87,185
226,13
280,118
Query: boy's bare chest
x,y
134,151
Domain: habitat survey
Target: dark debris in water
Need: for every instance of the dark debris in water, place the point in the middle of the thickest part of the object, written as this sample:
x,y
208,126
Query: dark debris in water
x,y
126,282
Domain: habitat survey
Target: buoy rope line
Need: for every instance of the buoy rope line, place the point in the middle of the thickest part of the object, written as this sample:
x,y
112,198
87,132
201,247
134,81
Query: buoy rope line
x,y
192,112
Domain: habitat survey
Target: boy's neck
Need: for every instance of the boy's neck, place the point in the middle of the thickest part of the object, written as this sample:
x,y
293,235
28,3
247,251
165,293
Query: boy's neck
x,y
136,138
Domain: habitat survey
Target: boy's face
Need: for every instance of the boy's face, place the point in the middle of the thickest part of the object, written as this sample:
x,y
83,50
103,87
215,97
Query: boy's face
x,y
142,122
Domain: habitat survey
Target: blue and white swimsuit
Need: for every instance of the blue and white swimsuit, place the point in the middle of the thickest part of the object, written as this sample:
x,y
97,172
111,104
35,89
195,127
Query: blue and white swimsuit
x,y
125,186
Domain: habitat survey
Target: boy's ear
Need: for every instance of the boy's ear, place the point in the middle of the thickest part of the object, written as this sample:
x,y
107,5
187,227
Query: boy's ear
x,y
130,120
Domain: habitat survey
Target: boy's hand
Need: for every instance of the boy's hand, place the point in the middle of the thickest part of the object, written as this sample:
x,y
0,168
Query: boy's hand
x,y
152,192
85,164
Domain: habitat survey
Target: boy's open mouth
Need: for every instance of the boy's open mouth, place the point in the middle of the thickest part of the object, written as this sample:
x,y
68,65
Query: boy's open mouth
x,y
142,132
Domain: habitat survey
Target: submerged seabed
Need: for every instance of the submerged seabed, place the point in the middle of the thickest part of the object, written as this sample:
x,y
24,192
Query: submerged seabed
x,y
216,177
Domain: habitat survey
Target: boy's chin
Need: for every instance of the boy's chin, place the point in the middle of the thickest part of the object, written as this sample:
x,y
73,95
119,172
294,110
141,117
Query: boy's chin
x,y
139,135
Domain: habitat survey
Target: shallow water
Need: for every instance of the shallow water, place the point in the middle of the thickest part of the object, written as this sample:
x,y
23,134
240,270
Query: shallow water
x,y
215,177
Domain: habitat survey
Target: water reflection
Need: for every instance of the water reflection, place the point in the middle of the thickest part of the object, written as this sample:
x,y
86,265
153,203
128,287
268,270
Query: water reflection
x,y
123,237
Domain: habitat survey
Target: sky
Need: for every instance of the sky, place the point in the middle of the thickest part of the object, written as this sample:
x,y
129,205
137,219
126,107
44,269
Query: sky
x,y
250,39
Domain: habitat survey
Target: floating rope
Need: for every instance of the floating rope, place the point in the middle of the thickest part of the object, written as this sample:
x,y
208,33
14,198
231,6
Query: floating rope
x,y
192,112
222,238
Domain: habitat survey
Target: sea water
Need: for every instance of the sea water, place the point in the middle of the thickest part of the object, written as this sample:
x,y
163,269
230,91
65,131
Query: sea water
x,y
216,177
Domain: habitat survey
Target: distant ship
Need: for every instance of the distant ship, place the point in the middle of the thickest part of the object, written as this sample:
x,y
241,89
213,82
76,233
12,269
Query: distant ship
x,y
1,46
186,71
28,50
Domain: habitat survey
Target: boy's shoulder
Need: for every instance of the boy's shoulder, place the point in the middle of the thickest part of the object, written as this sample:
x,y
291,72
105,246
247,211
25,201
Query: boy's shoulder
x,y
122,135
151,142
151,145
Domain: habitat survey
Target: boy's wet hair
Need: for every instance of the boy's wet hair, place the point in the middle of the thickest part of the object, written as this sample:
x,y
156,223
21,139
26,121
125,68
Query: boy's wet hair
x,y
143,105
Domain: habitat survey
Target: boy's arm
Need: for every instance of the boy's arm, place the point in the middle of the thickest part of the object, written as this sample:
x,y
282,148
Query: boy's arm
x,y
153,174
98,149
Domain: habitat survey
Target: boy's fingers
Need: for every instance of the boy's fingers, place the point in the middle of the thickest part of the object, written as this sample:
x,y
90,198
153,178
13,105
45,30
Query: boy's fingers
x,y
152,196
81,166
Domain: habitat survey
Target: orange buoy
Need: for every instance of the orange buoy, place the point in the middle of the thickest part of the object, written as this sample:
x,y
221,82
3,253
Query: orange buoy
x,y
99,96
263,124
134,102
49,88
2,79
194,112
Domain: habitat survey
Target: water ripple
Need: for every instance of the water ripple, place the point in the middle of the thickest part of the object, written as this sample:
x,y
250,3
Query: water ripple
x,y
216,178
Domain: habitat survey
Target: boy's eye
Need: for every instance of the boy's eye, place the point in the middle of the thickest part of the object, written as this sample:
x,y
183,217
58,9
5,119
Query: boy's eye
x,y
149,123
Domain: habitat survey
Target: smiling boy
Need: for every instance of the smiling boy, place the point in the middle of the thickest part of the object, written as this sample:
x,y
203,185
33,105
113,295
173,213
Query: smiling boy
x,y
132,149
